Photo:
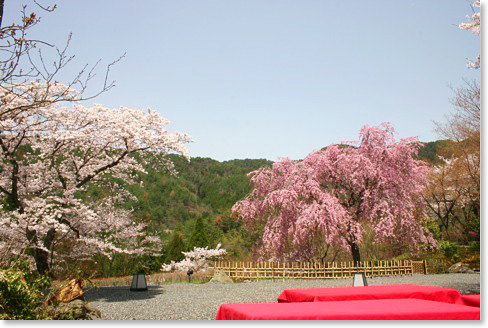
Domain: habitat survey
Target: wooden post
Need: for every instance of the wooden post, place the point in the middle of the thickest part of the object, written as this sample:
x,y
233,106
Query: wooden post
x,y
425,266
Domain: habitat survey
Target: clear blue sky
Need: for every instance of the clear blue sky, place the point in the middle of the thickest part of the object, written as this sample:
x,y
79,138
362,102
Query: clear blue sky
x,y
272,78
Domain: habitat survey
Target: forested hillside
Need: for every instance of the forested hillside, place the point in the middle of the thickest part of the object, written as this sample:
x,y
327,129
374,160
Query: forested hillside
x,y
204,190
431,149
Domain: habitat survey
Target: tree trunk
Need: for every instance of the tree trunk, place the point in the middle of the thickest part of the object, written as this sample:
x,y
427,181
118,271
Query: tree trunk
x,y
41,257
42,261
1,11
356,256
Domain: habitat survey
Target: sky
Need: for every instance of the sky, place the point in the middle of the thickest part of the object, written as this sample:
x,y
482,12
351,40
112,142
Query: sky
x,y
270,78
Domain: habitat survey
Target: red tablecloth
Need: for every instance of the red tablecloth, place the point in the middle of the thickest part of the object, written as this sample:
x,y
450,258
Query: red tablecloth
x,y
391,309
438,294
471,300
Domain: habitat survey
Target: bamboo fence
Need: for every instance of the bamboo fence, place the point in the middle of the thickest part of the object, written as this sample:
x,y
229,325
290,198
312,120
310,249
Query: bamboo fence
x,y
318,270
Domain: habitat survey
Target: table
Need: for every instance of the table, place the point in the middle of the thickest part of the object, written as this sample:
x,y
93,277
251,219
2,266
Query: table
x,y
446,295
390,309
471,300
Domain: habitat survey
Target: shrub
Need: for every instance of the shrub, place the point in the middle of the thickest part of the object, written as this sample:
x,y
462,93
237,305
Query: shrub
x,y
21,296
450,250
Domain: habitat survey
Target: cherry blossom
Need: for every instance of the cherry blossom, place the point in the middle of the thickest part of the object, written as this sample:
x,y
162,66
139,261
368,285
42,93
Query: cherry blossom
x,y
336,192
473,25
197,259
50,154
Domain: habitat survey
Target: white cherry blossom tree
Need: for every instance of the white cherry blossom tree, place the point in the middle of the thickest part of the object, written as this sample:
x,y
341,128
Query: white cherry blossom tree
x,y
52,148
196,259
50,154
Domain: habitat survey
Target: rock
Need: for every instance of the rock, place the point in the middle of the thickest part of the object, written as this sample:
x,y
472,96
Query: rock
x,y
77,309
222,278
92,312
458,268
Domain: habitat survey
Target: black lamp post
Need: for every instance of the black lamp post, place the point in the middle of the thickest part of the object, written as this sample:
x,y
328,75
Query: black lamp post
x,y
138,282
189,273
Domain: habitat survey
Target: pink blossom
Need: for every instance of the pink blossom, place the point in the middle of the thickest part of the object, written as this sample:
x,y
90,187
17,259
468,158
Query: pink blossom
x,y
336,192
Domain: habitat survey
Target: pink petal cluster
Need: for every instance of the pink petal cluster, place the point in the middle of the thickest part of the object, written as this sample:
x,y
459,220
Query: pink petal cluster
x,y
336,192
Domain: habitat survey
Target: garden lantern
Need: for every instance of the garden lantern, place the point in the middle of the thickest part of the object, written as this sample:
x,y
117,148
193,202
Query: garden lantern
x,y
359,280
189,273
138,282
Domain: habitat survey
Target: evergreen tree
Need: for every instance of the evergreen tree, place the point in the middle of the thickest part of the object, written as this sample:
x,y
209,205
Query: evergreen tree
x,y
175,248
198,237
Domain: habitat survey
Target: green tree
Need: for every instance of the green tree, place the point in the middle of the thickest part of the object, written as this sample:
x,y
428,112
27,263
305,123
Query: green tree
x,y
175,246
198,237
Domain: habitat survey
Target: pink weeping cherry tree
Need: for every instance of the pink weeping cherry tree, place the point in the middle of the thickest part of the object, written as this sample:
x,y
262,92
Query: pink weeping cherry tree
x,y
334,193
50,155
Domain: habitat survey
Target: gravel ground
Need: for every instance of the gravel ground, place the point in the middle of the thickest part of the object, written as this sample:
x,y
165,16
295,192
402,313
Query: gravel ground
x,y
201,302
